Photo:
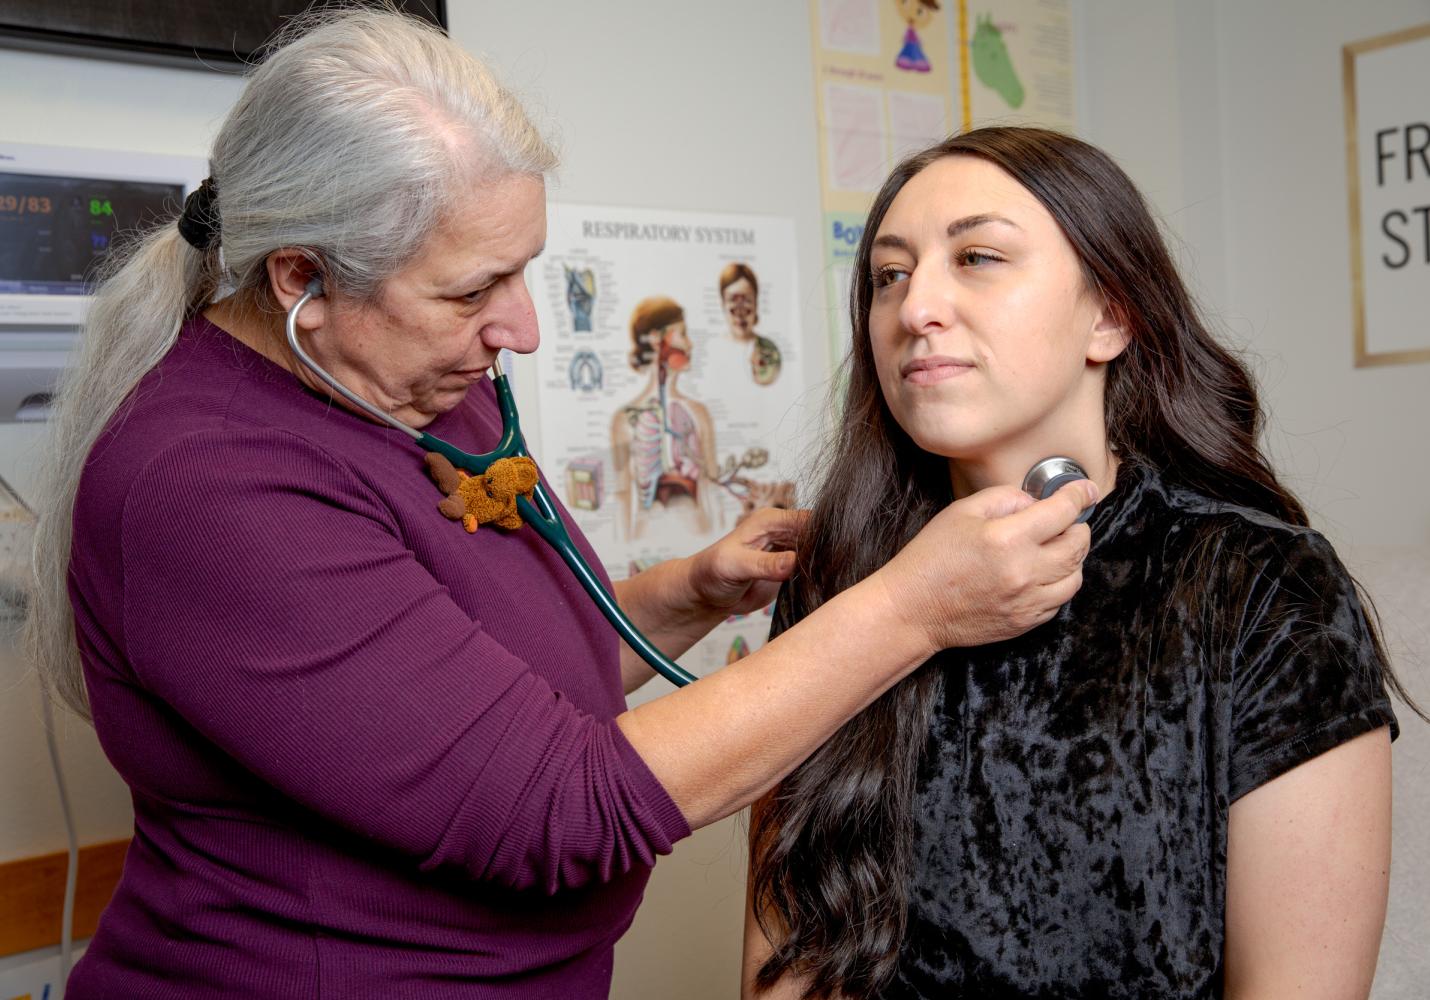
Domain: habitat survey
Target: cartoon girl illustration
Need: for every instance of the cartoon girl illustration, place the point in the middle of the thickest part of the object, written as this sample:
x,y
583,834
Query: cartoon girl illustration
x,y
916,14
663,442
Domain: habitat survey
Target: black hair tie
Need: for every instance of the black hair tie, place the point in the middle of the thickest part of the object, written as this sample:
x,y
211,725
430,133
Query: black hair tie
x,y
199,223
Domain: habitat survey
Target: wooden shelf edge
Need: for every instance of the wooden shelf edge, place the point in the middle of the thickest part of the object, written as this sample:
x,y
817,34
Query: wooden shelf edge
x,y
32,892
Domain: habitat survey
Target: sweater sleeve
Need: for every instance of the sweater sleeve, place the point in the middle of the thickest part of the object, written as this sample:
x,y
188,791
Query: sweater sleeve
x,y
269,599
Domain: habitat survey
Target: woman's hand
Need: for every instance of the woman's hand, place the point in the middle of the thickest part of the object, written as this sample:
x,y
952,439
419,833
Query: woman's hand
x,y
992,565
677,602
742,572
988,567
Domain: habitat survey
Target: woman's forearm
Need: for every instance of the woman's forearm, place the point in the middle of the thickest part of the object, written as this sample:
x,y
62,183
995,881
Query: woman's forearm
x,y
660,603
719,744
987,567
678,602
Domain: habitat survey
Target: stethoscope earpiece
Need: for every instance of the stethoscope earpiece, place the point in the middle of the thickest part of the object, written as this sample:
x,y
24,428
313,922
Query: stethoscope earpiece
x,y
1051,475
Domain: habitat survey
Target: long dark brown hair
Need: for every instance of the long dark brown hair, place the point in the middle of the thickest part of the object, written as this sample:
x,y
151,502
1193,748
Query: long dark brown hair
x,y
832,846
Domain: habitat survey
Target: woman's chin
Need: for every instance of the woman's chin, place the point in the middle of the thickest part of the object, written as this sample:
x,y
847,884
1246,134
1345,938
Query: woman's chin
x,y
960,447
441,400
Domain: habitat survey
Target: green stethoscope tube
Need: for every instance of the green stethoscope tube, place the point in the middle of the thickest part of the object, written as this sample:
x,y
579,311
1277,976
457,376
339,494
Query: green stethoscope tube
x,y
543,516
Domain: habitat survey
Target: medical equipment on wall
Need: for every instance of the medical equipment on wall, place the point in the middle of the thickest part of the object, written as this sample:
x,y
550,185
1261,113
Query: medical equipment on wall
x,y
543,516
1052,474
61,211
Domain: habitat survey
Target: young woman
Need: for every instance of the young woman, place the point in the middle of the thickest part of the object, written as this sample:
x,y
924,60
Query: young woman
x,y
1179,786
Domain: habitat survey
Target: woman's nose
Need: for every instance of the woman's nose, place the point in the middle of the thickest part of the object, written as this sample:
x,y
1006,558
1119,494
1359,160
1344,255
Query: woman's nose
x,y
514,324
928,305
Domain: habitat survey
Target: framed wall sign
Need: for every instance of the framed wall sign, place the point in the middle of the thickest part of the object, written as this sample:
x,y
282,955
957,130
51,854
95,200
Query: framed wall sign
x,y
1387,97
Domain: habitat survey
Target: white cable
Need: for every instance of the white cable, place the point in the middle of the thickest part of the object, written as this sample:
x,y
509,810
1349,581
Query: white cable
x,y
72,871
21,602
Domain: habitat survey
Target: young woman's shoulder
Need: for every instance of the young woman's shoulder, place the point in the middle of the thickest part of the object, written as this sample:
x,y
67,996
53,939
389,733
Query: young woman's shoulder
x,y
1304,668
1250,540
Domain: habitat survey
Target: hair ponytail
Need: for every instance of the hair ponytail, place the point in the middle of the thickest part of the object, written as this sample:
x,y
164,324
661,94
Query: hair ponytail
x,y
144,296
351,141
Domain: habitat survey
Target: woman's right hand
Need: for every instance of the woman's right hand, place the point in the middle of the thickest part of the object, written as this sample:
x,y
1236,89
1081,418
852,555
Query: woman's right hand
x,y
992,565
989,567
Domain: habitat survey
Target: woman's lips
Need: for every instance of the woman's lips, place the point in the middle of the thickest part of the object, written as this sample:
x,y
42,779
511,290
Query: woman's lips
x,y
924,371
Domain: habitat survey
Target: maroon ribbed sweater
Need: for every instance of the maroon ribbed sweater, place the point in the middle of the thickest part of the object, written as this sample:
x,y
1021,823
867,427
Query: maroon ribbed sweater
x,y
371,755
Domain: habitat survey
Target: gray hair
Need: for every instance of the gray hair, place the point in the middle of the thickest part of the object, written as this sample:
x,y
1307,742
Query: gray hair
x,y
348,142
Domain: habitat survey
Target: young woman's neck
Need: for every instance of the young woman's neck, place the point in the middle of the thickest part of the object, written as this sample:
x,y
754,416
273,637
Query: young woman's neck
x,y
1079,432
1076,428
1008,467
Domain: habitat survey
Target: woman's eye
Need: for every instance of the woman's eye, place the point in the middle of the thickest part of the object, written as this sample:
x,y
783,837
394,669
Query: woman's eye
x,y
887,276
976,258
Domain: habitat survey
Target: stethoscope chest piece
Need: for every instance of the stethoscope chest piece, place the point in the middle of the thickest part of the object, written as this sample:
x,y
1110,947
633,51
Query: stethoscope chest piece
x,y
1051,475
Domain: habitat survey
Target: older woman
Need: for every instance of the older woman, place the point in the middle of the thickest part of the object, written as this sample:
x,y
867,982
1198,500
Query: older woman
x,y
370,754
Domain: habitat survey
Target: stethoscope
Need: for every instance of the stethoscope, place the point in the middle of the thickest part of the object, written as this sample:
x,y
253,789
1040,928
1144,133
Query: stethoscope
x,y
1042,481
1051,475
542,516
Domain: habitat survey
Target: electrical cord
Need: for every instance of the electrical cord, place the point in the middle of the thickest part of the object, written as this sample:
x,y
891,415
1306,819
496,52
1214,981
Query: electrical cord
x,y
18,599
72,870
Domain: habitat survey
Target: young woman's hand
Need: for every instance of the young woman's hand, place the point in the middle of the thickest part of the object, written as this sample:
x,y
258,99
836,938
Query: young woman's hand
x,y
992,565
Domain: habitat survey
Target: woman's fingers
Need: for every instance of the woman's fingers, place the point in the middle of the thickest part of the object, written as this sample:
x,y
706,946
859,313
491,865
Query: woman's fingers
x,y
744,567
1052,596
771,527
1062,556
992,565
1047,519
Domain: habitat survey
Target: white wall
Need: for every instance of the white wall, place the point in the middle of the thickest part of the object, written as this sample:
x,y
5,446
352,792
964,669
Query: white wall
x,y
1227,114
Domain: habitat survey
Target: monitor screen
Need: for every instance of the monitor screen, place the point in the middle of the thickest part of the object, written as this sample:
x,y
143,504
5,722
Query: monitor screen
x,y
196,34
62,211
54,231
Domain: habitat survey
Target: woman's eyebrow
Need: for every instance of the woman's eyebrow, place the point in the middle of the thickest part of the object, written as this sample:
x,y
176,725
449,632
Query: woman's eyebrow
x,y
892,242
955,228
490,274
959,226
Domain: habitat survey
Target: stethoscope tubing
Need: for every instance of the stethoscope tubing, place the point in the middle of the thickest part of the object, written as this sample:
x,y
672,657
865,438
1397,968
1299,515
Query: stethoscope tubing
x,y
542,515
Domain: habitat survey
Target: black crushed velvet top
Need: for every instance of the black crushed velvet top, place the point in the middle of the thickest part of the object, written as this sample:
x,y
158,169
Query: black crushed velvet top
x,y
1071,812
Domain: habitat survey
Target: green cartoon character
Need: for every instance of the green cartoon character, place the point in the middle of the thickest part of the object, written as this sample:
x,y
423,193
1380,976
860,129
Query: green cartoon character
x,y
991,62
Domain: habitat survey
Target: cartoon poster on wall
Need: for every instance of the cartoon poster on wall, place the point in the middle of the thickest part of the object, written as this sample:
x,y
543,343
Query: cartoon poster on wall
x,y
895,76
1018,63
883,76
671,364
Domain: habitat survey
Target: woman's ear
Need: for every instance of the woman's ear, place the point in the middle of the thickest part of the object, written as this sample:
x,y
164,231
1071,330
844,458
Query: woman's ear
x,y
1110,336
290,271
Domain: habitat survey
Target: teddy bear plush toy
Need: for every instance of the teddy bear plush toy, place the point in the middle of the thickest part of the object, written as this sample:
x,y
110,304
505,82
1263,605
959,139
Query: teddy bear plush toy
x,y
489,498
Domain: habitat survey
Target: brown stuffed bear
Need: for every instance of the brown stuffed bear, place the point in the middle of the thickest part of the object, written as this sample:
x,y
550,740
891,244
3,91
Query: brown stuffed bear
x,y
486,499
